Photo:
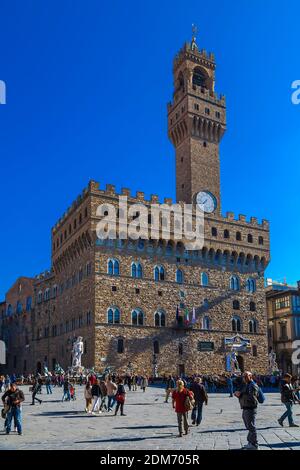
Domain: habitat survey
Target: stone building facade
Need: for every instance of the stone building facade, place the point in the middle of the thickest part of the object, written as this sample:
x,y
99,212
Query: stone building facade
x,y
283,310
150,305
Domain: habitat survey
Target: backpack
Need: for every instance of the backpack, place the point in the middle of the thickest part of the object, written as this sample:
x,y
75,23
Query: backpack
x,y
189,403
260,396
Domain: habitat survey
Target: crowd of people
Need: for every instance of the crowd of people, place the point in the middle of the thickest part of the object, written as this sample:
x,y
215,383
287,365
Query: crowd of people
x,y
108,393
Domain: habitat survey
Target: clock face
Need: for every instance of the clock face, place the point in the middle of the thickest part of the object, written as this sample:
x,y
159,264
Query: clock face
x,y
206,201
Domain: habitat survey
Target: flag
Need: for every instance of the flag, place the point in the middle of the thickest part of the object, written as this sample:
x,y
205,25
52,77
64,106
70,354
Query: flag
x,y
187,317
194,315
177,313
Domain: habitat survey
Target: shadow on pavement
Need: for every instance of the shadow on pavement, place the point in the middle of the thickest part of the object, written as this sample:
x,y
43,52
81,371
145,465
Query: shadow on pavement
x,y
130,439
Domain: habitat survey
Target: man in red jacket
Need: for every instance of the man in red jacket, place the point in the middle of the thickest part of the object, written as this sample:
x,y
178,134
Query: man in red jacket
x,y
179,397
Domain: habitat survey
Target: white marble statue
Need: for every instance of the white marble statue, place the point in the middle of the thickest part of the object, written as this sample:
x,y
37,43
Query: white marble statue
x,y
273,367
77,352
234,365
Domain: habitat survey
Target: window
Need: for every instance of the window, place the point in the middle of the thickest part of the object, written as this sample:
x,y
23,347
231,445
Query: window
x,y
199,77
160,318
196,106
54,330
120,346
9,310
238,236
85,212
137,317
214,232
260,240
88,268
226,233
88,318
159,273
234,283
283,302
236,324
252,307
283,331
46,332
28,304
47,294
252,326
207,111
218,115
54,291
206,323
251,285
155,347
204,279
179,276
250,238
236,305
113,315
136,270
19,307
113,267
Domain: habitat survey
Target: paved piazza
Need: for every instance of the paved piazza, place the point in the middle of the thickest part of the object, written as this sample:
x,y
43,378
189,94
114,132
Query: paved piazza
x,y
149,424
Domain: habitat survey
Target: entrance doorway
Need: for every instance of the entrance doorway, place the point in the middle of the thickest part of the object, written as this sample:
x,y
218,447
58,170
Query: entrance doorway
x,y
181,370
240,361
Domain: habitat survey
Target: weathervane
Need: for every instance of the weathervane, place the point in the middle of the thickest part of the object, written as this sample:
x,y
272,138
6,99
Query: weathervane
x,y
194,32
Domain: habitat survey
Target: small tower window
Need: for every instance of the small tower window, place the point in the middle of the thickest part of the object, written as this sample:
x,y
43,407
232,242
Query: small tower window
x,y
238,236
199,77
214,231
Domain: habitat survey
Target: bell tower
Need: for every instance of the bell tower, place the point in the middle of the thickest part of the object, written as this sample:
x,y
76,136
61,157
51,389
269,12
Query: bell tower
x,y
196,124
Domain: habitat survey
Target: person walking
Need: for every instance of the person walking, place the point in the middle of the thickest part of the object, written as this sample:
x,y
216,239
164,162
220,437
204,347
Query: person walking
x,y
111,393
144,383
288,398
48,384
247,396
88,397
103,389
96,394
120,397
179,402
66,390
134,384
170,386
14,398
36,386
200,397
230,385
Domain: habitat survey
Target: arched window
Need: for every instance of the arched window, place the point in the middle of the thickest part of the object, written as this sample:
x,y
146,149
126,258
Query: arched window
x,y
159,273
160,318
234,283
199,77
179,276
206,323
113,315
260,240
137,317
226,233
250,238
214,232
139,271
252,307
120,346
251,285
236,305
133,270
19,307
54,291
238,236
252,326
28,304
236,324
9,310
155,346
40,296
204,279
47,294
113,267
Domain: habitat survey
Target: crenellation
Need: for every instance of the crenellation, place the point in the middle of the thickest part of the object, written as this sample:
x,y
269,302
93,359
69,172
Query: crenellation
x,y
242,218
125,192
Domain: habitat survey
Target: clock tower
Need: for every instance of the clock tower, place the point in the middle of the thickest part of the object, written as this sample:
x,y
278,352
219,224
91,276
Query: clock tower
x,y
196,124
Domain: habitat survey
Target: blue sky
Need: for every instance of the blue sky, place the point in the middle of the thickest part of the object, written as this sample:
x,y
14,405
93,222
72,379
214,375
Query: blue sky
x,y
87,87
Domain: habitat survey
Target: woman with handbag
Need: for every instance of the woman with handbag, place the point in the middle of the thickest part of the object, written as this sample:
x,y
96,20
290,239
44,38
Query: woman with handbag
x,y
120,397
183,402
